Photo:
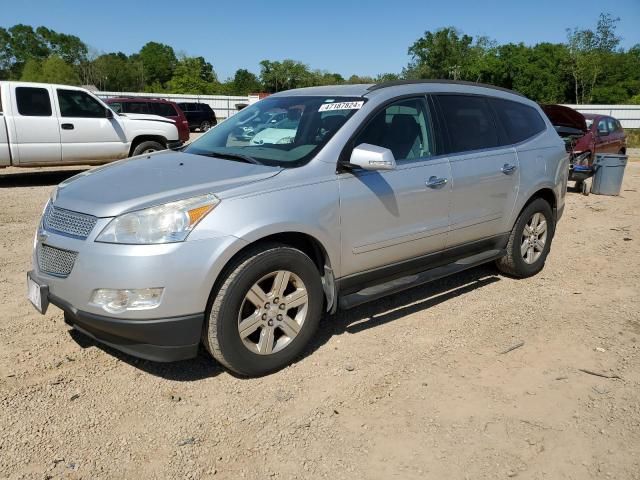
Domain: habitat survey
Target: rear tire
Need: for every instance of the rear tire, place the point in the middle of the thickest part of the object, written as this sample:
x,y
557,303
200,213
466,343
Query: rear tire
x,y
149,146
276,292
204,126
530,241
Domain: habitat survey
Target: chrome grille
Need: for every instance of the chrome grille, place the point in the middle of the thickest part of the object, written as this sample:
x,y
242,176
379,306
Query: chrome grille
x,y
56,261
67,222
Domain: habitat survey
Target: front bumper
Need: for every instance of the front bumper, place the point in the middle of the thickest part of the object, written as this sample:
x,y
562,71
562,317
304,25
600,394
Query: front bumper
x,y
185,270
160,339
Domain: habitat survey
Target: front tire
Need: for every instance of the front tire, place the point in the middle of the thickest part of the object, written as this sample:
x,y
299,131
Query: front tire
x,y
147,147
265,312
530,241
204,126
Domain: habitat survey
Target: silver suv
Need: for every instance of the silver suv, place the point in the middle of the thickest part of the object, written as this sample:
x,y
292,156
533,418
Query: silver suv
x,y
363,191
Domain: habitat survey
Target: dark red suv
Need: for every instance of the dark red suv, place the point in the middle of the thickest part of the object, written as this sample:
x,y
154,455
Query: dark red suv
x,y
153,106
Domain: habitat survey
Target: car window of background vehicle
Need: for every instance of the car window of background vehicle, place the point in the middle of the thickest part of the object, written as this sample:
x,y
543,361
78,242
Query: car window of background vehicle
x,y
75,103
33,102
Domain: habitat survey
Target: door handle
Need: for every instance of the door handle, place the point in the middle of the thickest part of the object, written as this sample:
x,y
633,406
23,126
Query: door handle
x,y
508,169
435,182
67,126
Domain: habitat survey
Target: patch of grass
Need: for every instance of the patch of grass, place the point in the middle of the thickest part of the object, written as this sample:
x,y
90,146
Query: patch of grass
x,y
633,137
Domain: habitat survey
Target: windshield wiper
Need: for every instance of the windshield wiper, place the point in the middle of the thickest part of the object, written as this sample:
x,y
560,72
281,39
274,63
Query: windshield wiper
x,y
232,156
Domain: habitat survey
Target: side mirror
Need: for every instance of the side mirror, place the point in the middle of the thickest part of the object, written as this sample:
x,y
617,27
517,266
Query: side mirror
x,y
372,157
108,113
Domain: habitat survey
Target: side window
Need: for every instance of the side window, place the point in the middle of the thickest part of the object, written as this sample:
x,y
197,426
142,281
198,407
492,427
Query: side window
x,y
33,102
469,122
78,104
603,128
402,127
138,107
519,121
612,125
116,107
163,109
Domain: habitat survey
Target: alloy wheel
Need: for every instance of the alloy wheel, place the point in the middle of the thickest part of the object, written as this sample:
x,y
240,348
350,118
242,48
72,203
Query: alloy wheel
x,y
273,312
534,238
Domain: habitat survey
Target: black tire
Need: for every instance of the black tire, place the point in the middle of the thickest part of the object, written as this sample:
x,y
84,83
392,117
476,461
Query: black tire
x,y
579,186
221,336
147,147
205,125
513,263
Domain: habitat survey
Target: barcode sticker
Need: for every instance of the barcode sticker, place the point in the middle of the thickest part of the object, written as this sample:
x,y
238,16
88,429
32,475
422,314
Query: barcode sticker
x,y
327,107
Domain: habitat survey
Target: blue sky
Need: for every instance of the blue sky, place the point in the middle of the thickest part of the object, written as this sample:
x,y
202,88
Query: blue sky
x,y
363,37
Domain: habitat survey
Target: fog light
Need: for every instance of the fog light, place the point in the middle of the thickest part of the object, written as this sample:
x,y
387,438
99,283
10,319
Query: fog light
x,y
118,301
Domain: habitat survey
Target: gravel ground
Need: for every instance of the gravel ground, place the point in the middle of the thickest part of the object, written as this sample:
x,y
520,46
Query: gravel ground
x,y
412,386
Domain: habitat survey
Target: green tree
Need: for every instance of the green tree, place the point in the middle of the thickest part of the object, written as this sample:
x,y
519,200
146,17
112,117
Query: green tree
x,y
244,82
448,53
6,54
68,47
51,70
193,75
277,76
589,49
158,61
116,72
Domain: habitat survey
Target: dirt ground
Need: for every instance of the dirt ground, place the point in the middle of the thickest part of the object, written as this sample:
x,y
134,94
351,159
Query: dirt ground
x,y
414,386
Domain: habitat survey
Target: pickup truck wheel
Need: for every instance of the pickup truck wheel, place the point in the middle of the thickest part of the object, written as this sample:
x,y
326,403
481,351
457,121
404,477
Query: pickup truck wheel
x,y
147,147
529,242
204,126
265,312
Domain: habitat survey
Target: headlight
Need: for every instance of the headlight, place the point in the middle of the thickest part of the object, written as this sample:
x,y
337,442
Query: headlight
x,y
167,223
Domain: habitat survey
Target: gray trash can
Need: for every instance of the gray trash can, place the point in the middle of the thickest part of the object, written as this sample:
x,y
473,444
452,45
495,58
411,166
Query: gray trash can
x,y
608,173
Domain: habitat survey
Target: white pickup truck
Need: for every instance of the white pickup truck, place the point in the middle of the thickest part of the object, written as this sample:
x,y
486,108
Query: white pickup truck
x,y
43,124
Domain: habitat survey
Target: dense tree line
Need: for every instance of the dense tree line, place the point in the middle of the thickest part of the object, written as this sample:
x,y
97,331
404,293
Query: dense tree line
x,y
589,67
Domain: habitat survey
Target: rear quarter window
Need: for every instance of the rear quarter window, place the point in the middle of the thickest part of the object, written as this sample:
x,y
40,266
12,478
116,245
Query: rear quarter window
x,y
469,122
33,102
164,110
519,121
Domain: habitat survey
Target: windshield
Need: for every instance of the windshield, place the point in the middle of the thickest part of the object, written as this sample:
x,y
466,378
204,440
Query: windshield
x,y
589,122
279,131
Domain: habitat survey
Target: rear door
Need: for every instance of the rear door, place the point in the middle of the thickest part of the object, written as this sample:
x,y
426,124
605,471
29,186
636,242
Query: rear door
x,y
604,140
37,132
484,170
396,215
86,132
616,135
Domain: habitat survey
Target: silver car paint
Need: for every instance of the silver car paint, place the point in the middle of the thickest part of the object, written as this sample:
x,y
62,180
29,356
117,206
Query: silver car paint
x,y
362,221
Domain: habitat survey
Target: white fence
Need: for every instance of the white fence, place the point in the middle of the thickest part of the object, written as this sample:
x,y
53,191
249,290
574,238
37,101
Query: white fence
x,y
223,105
629,115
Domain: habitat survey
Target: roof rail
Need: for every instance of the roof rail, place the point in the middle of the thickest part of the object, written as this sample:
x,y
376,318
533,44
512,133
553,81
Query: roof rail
x,y
395,83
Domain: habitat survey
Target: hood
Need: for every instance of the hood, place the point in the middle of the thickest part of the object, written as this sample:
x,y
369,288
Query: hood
x,y
145,116
561,116
148,180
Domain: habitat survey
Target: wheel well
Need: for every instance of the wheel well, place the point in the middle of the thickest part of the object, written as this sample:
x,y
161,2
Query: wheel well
x,y
546,194
147,138
301,241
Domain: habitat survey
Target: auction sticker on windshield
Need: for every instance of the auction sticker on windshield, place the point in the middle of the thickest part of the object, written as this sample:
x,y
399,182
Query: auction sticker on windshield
x,y
327,107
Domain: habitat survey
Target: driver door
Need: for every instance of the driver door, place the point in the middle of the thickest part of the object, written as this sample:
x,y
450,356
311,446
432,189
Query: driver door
x,y
86,133
395,215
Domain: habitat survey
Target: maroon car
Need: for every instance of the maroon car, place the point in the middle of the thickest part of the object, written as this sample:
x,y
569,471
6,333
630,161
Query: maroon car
x,y
585,136
153,106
